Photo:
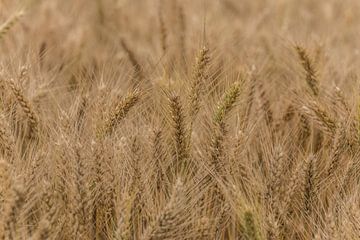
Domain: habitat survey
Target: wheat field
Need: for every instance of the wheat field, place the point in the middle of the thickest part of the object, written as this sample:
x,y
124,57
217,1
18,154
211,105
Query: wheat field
x,y
179,119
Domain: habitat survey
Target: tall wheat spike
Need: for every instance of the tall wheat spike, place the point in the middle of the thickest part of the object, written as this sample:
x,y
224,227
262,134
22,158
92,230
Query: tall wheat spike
x,y
226,104
311,74
180,133
27,108
118,113
198,81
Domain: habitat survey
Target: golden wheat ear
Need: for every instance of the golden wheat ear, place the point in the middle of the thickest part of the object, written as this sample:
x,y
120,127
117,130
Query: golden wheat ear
x,y
310,70
118,114
223,109
27,108
198,81
227,103
7,141
321,117
179,134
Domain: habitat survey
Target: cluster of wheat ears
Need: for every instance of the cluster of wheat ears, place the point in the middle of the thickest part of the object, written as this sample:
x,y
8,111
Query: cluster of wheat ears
x,y
137,119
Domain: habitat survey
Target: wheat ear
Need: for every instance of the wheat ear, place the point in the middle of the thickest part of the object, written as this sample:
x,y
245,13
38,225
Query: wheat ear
x,y
310,70
251,229
310,187
169,220
7,141
180,133
118,114
227,104
199,76
315,112
26,107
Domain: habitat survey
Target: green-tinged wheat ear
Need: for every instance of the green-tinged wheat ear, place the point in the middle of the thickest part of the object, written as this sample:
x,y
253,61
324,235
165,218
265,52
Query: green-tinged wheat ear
x,y
310,70
5,28
198,79
179,133
118,114
27,108
251,229
217,162
227,104
224,107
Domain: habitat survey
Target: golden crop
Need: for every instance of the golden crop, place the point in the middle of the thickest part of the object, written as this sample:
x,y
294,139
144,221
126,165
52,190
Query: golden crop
x,y
179,119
